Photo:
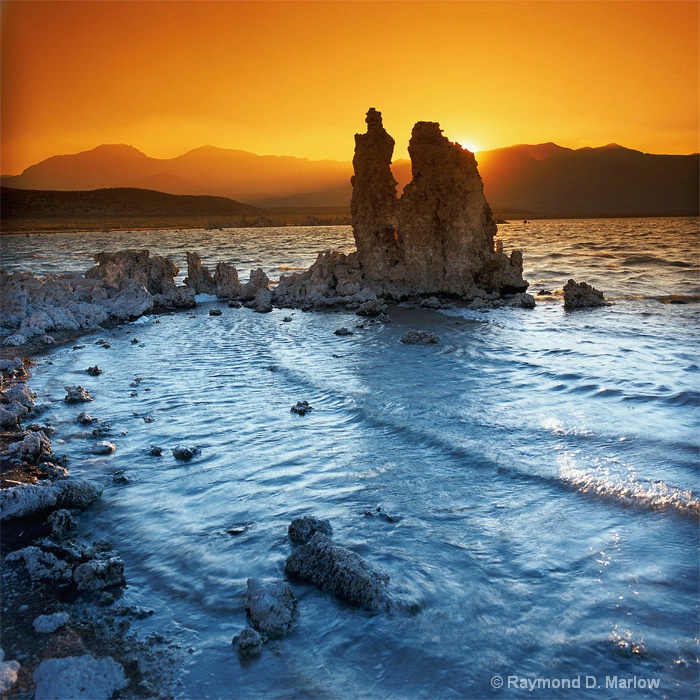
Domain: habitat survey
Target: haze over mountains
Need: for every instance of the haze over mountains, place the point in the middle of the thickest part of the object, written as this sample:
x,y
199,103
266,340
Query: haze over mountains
x,y
544,179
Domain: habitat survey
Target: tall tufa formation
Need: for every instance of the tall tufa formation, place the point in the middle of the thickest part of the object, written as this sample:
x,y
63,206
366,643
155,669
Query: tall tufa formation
x,y
439,236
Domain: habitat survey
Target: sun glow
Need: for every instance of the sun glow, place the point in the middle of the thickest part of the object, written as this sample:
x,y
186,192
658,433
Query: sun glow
x,y
469,145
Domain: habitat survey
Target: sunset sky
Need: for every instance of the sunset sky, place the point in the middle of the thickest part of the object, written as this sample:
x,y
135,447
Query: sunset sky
x,y
296,78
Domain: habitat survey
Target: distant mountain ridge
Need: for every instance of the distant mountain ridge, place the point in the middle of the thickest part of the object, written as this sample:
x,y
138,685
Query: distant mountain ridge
x,y
543,179
118,208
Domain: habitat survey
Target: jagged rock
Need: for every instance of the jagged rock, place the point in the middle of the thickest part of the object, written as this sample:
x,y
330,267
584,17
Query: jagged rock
x,y
249,643
85,419
31,448
335,279
521,301
25,499
215,312
198,277
339,571
76,394
301,530
78,678
62,523
104,571
95,371
227,284
41,565
103,447
258,280
8,673
10,368
271,606
262,303
579,295
16,401
372,308
185,453
342,331
124,285
46,624
419,338
155,451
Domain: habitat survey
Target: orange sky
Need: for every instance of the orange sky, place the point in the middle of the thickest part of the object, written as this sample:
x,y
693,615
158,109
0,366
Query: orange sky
x,y
295,78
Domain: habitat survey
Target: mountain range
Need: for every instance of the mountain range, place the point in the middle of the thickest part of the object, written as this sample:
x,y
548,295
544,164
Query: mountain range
x,y
524,180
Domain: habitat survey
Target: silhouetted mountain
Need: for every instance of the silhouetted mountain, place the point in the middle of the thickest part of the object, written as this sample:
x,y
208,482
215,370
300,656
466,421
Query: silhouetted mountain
x,y
606,181
118,208
544,179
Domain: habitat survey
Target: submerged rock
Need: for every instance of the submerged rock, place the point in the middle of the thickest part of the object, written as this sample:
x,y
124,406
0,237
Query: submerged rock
x,y
339,571
249,643
301,408
579,295
183,452
79,677
271,606
419,338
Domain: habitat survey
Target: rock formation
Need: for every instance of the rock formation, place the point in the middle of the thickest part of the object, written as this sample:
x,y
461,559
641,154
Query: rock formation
x,y
579,295
437,238
340,571
122,286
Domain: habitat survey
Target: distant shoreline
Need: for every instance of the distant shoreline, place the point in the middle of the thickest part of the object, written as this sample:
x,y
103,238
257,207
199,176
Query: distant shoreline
x,y
303,218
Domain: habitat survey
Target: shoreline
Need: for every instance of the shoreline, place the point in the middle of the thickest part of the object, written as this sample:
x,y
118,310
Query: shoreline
x,y
46,617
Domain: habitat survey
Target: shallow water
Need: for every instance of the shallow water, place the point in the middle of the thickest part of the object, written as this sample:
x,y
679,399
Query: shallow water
x,y
540,469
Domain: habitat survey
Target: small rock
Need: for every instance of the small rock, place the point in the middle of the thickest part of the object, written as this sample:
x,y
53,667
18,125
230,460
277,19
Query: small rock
x,y
287,319
78,678
101,430
148,419
579,295
94,371
100,573
120,477
46,624
343,331
155,451
103,448
249,643
271,606
84,419
234,304
185,453
134,341
62,523
419,338
301,530
302,408
375,307
76,394
8,673
215,312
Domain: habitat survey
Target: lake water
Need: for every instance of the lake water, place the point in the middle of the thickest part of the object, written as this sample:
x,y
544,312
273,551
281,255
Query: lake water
x,y
540,469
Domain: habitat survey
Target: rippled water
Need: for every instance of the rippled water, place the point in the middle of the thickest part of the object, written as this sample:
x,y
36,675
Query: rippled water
x,y
540,468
